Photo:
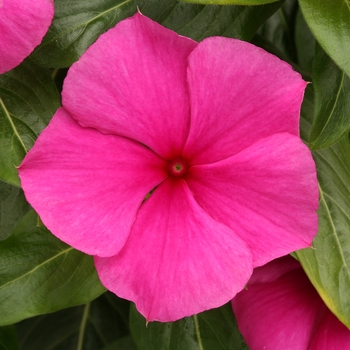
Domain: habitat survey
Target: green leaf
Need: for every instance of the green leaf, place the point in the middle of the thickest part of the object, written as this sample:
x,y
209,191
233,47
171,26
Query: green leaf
x,y
76,26
99,324
332,102
213,329
28,99
329,21
328,263
304,43
12,146
125,343
199,21
278,35
231,2
13,206
8,338
307,113
278,30
41,274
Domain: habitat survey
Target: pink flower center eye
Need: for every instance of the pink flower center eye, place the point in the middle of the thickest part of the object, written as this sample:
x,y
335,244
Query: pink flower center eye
x,y
178,167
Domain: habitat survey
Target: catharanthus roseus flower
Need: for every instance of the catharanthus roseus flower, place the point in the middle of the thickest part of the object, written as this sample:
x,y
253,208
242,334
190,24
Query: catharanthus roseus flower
x,y
280,309
210,131
23,24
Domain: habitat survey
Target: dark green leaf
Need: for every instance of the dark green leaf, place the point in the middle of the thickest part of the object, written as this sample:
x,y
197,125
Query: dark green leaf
x,y
307,113
28,99
213,329
125,343
100,324
332,102
231,2
328,264
76,25
199,21
8,338
278,30
304,43
13,206
329,21
12,146
41,274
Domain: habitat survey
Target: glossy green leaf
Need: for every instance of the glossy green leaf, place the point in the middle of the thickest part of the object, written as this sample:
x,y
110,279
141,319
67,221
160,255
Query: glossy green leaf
x,y
8,338
328,263
41,274
76,25
231,2
329,21
99,324
213,329
13,206
28,100
200,21
332,102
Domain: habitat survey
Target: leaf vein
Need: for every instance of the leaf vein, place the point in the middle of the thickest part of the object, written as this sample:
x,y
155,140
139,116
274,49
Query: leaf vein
x,y
37,267
86,23
322,193
13,126
196,324
333,108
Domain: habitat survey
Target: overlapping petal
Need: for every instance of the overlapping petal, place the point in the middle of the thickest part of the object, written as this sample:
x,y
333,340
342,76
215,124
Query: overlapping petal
x,y
279,314
330,334
23,24
134,80
86,186
239,94
283,311
267,194
178,261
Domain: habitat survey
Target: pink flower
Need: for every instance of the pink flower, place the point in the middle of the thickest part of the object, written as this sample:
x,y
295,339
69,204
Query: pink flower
x,y
211,129
23,24
281,310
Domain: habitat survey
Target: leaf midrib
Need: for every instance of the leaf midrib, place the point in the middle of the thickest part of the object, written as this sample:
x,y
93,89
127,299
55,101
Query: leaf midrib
x,y
13,126
198,335
86,23
334,231
37,267
333,109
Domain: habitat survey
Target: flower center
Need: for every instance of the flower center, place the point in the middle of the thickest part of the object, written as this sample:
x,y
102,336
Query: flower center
x,y
178,167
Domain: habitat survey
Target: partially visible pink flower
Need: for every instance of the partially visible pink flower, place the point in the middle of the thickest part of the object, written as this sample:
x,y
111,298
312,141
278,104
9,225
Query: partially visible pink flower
x,y
212,130
23,24
280,309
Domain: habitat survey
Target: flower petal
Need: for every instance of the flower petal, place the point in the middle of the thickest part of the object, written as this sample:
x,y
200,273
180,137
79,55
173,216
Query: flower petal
x,y
134,79
331,334
267,194
239,94
177,261
86,186
276,269
279,314
23,24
